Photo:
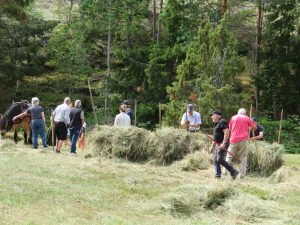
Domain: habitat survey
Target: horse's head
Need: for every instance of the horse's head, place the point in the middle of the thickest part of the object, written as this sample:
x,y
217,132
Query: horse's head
x,y
3,125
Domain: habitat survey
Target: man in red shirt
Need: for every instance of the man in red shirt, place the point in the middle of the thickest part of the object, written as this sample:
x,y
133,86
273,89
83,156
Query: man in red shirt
x,y
239,129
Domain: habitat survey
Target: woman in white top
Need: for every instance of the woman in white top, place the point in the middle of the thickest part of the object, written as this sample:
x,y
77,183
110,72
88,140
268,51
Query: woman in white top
x,y
122,119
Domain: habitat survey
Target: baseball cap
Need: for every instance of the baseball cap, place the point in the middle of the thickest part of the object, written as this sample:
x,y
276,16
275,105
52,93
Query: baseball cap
x,y
190,107
216,112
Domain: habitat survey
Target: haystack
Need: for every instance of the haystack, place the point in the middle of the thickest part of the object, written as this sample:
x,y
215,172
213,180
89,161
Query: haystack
x,y
129,143
138,145
167,145
264,158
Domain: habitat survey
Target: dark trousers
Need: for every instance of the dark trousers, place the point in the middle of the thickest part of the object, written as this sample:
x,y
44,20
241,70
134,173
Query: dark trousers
x,y
74,134
219,159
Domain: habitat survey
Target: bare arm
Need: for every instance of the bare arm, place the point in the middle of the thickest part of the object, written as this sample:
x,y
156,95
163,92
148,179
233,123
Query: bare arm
x,y
226,137
20,115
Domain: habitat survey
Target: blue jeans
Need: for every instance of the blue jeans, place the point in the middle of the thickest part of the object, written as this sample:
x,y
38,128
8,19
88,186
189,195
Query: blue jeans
x,y
38,126
74,134
219,159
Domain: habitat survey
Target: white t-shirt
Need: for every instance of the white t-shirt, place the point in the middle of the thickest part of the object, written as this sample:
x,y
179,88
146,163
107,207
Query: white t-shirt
x,y
195,118
122,120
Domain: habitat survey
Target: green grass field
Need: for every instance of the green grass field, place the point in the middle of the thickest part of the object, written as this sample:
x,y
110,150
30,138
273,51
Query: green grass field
x,y
47,188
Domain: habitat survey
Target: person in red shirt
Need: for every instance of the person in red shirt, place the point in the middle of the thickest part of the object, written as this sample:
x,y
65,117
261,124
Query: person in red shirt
x,y
239,130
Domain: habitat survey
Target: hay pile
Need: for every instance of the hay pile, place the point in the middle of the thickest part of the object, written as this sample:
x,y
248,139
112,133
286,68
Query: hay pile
x,y
264,158
283,174
167,145
130,144
139,145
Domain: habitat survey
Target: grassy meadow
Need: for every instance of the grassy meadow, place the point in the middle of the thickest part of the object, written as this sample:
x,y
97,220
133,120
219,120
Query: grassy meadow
x,y
39,187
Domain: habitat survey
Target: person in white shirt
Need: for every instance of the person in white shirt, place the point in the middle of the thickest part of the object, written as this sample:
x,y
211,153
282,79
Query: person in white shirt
x,y
61,120
191,119
122,119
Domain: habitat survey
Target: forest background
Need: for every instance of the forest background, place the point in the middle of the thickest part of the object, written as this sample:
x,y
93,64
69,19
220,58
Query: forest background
x,y
217,54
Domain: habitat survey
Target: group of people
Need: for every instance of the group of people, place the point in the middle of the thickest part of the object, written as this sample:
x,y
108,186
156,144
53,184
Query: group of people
x,y
65,117
230,140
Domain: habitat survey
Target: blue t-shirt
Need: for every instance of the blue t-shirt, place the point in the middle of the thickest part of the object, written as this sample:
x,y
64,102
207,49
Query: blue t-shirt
x,y
35,112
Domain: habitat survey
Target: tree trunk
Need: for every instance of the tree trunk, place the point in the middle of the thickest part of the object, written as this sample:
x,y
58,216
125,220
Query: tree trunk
x,y
224,7
154,19
108,66
159,21
258,52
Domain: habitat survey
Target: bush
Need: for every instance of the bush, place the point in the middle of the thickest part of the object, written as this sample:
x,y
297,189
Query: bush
x,y
290,133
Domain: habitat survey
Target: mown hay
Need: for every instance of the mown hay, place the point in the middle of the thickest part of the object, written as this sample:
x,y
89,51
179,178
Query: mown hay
x,y
129,143
7,145
282,174
136,144
167,145
199,160
170,144
217,197
264,158
247,208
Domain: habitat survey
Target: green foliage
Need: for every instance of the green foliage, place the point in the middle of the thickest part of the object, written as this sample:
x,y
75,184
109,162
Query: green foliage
x,y
210,71
280,76
290,134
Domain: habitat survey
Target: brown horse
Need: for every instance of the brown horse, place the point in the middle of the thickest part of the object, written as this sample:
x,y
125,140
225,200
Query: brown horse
x,y
6,122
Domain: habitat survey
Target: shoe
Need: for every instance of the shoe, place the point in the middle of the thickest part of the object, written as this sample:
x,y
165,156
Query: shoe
x,y
235,174
45,148
218,177
73,154
57,151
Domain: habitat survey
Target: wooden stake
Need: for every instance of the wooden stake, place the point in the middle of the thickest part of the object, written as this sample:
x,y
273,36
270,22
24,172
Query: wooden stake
x,y
91,95
135,109
159,114
280,127
253,135
52,128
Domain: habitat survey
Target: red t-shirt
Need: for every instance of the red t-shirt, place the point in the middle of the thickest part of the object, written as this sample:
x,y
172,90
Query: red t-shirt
x,y
238,126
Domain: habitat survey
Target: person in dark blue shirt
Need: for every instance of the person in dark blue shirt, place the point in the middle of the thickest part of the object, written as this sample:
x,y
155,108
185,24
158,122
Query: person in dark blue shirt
x,y
129,111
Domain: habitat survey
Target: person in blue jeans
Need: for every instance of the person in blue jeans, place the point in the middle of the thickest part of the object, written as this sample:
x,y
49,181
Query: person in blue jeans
x,y
38,124
220,144
76,123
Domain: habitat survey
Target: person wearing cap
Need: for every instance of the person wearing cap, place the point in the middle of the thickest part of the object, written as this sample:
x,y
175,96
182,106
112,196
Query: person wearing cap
x,y
38,125
61,121
76,124
259,132
128,110
220,144
191,120
238,127
122,119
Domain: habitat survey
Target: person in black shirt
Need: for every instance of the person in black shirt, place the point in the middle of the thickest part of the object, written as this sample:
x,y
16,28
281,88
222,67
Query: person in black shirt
x,y
220,144
259,132
76,124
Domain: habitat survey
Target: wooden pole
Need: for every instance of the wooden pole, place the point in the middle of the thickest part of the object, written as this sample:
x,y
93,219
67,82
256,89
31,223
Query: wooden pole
x,y
253,135
135,109
91,95
52,128
280,127
159,114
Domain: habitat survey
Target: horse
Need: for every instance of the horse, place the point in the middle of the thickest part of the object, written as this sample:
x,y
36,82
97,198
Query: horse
x,y
6,122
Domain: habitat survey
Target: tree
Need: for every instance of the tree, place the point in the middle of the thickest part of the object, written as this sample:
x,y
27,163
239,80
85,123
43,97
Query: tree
x,y
280,76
